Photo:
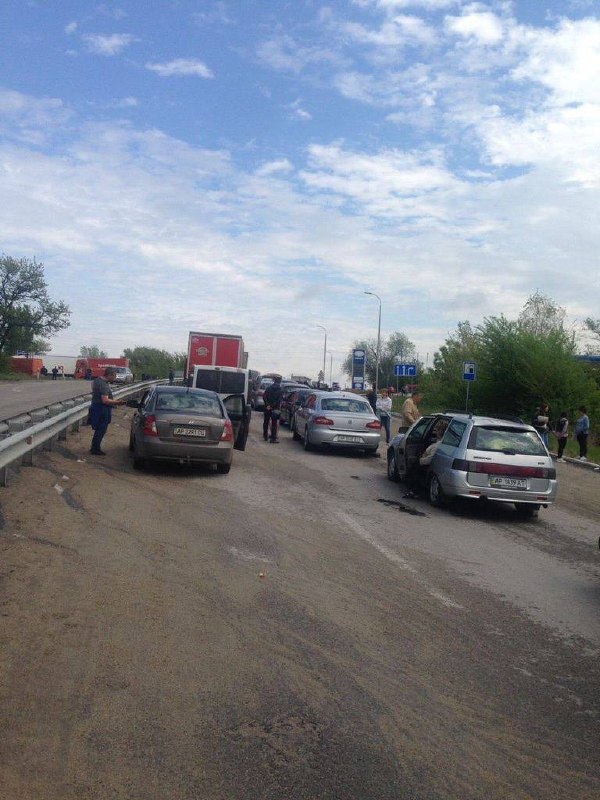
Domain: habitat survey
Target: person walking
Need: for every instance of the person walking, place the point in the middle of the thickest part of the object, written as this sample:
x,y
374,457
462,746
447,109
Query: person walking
x,y
582,431
540,420
101,408
562,434
410,411
383,411
272,401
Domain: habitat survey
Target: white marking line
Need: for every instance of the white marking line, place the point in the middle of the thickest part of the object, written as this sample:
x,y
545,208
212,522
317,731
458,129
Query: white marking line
x,y
245,555
395,559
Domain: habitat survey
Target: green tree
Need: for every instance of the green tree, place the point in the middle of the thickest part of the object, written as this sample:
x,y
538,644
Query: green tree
x,y
151,361
93,351
540,315
27,314
22,338
443,384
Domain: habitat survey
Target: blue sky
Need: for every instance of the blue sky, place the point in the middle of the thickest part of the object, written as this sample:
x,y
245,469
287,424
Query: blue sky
x,y
254,167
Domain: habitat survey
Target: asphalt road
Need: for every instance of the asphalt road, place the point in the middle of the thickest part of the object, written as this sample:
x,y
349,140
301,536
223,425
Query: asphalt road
x,y
19,397
280,633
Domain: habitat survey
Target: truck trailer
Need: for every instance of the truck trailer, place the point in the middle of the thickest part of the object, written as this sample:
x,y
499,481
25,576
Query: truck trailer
x,y
214,350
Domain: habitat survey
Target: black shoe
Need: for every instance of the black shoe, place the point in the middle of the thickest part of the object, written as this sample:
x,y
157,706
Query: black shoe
x,y
274,441
266,438
97,452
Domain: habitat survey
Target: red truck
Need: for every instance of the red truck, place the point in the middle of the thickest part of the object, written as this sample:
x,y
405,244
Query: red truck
x,y
97,366
214,350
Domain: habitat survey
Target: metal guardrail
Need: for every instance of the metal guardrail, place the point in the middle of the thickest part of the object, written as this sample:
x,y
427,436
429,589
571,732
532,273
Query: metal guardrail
x,y
21,446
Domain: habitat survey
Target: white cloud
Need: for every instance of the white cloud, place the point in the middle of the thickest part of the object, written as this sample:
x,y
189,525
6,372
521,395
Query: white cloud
x,y
108,44
396,32
295,111
181,66
281,166
71,28
485,27
285,54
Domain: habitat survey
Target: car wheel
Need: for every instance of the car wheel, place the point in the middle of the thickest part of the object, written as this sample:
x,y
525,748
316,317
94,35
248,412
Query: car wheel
x,y
291,423
223,469
131,444
306,440
437,497
527,510
138,462
392,467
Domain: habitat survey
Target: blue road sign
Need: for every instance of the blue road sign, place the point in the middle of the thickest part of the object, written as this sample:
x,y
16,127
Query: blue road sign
x,y
358,383
405,370
469,371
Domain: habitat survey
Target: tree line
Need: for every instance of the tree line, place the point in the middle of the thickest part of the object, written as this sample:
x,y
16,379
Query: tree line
x,y
520,362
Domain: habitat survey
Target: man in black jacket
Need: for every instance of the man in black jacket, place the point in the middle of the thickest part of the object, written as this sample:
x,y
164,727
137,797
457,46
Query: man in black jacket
x,y
272,400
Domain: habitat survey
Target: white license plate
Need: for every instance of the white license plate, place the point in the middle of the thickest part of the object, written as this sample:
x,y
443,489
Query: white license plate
x,y
509,483
349,439
189,432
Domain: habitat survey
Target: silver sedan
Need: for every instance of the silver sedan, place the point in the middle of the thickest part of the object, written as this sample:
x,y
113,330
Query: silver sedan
x,y
338,420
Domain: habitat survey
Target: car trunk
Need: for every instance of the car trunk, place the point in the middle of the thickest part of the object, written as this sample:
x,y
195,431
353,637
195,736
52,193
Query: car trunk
x,y
177,427
519,472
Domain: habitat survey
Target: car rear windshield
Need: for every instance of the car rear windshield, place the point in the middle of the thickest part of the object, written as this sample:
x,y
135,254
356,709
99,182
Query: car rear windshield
x,y
189,401
221,381
345,404
506,440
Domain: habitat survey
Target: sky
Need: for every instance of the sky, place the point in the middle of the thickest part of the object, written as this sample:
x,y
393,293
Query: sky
x,y
255,166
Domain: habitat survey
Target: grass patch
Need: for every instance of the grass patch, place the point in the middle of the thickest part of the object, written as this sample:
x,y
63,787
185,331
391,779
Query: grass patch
x,y
14,376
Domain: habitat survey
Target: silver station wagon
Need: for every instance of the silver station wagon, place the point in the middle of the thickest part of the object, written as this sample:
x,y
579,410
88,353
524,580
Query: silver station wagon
x,y
339,420
475,457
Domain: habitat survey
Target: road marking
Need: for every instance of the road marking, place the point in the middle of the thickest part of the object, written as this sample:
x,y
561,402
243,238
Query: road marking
x,y
245,555
396,559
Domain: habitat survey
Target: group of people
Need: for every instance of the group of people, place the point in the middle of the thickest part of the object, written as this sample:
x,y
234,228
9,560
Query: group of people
x,y
382,406
541,422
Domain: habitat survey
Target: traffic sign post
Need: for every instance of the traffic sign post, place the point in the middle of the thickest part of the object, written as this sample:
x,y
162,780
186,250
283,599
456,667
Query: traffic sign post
x,y
469,375
405,370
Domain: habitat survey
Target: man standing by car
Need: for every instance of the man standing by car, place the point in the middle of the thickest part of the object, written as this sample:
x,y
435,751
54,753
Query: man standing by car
x,y
272,400
410,412
101,408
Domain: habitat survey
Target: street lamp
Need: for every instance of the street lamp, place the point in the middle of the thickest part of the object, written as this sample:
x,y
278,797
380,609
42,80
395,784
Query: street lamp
x,y
378,341
324,348
330,367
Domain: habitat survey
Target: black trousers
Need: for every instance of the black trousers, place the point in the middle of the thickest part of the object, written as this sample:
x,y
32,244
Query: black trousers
x,y
270,415
562,443
582,439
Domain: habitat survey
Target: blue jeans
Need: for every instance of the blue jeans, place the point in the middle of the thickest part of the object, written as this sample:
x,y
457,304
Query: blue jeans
x,y
385,421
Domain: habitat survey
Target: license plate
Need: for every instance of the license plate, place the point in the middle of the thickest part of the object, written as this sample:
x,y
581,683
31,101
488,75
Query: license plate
x,y
349,439
189,432
509,483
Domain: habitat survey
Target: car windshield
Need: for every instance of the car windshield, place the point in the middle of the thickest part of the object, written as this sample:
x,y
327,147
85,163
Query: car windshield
x,y
121,370
506,440
189,401
346,404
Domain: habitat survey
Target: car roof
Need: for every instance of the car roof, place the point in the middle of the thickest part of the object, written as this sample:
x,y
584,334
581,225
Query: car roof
x,y
482,419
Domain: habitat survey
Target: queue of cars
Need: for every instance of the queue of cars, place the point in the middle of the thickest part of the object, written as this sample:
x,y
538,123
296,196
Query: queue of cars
x,y
443,456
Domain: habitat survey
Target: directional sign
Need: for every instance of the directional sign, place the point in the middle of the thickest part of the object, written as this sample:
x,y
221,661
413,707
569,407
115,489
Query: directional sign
x,y
469,371
405,370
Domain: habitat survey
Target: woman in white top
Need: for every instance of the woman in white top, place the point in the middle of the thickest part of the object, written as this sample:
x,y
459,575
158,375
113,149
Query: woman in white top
x,y
384,408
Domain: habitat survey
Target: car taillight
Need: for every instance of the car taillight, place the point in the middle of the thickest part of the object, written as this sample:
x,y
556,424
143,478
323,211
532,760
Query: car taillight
x,y
323,421
227,435
511,470
150,425
375,424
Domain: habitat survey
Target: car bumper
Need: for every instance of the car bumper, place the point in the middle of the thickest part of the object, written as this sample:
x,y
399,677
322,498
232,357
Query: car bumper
x,y
216,453
321,436
456,484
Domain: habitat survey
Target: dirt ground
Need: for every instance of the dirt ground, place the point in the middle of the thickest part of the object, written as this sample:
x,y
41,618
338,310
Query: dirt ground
x,y
176,634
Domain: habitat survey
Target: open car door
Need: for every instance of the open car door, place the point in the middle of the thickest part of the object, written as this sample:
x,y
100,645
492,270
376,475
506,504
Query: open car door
x,y
239,414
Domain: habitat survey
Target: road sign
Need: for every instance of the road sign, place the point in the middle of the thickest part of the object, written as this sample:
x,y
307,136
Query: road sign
x,y
359,358
405,370
358,383
469,371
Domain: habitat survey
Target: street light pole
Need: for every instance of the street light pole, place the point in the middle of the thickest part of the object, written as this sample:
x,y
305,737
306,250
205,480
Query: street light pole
x,y
330,367
324,348
378,342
